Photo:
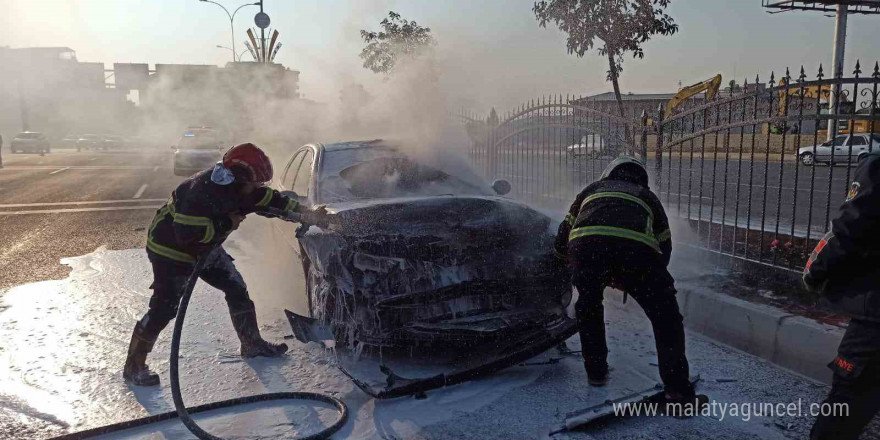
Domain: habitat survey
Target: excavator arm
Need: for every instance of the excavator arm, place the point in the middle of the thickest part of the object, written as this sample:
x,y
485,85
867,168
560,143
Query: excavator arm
x,y
710,86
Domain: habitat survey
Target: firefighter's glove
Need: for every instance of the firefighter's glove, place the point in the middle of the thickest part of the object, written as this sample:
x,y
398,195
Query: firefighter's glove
x,y
814,285
317,216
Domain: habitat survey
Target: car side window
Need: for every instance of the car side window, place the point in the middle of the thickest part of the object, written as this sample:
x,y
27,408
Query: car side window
x,y
303,175
859,140
290,173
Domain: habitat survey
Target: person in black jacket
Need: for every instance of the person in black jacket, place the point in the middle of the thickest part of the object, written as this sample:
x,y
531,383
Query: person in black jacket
x,y
843,269
200,214
617,234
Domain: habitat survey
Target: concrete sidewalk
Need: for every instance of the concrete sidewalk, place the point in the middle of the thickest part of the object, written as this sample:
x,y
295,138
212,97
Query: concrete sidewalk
x,y
793,342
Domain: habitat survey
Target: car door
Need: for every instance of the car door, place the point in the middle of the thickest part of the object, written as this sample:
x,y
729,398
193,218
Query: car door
x,y
823,152
291,257
859,147
842,150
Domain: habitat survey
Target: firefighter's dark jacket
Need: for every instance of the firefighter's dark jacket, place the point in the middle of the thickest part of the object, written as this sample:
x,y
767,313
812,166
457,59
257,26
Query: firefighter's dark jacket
x,y
846,259
196,216
616,208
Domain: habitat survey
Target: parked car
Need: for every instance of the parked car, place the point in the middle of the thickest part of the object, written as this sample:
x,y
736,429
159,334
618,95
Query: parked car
x,y
29,142
89,141
196,150
69,141
113,141
591,146
417,256
861,143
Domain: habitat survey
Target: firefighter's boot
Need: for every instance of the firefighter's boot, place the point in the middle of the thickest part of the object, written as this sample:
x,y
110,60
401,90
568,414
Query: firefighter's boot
x,y
252,344
136,370
597,372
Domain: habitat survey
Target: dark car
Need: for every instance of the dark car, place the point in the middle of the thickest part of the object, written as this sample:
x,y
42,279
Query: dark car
x,y
29,142
416,256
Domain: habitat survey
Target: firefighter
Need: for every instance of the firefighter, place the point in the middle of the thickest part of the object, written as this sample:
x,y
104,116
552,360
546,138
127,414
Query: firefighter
x,y
617,234
201,213
843,270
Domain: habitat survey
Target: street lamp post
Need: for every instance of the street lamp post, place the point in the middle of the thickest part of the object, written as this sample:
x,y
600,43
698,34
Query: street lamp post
x,y
231,18
233,52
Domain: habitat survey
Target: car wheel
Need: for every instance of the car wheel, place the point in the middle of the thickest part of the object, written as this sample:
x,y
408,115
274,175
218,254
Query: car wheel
x,y
807,159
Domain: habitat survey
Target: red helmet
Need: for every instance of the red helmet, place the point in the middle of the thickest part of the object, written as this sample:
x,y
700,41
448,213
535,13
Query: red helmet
x,y
248,163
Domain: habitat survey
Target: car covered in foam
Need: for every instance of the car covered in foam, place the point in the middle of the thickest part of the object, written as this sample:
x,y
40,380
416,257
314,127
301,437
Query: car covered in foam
x,y
418,256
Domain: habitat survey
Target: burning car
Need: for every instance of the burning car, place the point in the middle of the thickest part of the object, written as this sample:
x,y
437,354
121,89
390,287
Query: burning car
x,y
417,257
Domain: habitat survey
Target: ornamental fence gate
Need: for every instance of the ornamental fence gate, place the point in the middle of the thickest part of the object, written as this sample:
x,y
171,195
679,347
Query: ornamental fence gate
x,y
757,173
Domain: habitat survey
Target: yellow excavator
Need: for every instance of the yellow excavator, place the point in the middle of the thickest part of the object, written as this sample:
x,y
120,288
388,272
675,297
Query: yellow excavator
x,y
823,93
710,86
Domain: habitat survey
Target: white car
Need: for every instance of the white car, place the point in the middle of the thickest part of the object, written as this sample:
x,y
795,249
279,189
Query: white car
x,y
590,146
861,143
198,149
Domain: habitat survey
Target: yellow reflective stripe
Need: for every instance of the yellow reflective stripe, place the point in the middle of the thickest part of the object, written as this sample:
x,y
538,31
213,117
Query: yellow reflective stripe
x,y
209,234
266,198
610,231
160,215
570,219
167,252
558,254
663,236
620,195
191,220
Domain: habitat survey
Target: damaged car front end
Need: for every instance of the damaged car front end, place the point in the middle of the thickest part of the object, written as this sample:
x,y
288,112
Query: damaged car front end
x,y
418,260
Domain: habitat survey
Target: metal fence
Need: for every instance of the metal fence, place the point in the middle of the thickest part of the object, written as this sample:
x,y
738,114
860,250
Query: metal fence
x,y
742,169
549,148
751,172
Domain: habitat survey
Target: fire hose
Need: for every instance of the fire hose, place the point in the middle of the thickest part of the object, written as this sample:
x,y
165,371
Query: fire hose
x,y
181,410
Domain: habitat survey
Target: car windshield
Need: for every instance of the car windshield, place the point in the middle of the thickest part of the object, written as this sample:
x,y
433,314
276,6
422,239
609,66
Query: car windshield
x,y
28,136
380,172
198,140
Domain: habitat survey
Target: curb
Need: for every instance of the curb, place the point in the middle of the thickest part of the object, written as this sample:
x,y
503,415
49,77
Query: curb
x,y
793,342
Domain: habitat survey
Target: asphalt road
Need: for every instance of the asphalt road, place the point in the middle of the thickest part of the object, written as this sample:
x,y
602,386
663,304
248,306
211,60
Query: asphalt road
x,y
69,203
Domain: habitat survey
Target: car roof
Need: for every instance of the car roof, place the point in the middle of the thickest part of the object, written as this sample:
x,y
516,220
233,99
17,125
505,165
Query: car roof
x,y
356,144
30,132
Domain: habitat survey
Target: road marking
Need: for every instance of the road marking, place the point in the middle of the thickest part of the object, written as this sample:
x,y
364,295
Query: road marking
x,y
94,202
11,167
58,171
156,168
64,211
140,191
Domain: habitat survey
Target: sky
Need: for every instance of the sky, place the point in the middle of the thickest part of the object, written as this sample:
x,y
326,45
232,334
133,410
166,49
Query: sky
x,y
493,52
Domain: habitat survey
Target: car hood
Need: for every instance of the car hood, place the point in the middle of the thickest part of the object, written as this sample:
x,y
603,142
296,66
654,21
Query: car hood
x,y
426,214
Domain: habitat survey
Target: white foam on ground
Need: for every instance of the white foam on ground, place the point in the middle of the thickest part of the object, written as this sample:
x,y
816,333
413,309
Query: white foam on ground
x,y
64,343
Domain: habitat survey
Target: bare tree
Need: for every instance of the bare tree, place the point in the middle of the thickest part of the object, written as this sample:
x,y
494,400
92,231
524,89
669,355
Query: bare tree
x,y
398,39
621,25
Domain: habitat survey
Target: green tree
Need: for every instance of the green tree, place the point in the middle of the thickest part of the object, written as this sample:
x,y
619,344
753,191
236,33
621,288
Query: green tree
x,y
398,39
621,25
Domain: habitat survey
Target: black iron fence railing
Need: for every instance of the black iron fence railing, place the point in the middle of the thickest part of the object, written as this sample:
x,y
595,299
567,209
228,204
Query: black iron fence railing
x,y
757,173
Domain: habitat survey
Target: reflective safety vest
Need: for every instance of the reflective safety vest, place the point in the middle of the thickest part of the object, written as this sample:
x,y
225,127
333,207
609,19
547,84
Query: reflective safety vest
x,y
197,215
646,236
